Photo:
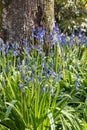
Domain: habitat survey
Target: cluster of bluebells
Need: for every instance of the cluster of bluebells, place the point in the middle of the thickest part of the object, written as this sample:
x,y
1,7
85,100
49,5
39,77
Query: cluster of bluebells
x,y
27,72
59,38
56,37
39,34
15,49
82,36
5,47
26,45
50,73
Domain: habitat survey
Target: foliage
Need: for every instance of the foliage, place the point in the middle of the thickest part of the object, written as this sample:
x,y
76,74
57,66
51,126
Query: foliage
x,y
41,92
71,14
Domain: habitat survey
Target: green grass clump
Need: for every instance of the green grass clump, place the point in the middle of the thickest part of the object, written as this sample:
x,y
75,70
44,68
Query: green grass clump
x,y
41,92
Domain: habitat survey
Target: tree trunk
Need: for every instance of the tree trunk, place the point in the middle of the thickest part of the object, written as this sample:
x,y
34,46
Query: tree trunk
x,y
49,14
19,16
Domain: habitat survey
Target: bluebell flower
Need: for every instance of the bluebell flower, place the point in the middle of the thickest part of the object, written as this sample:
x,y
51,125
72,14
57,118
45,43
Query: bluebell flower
x,y
27,49
18,62
15,53
39,33
59,69
83,38
52,53
56,36
80,33
24,41
63,39
47,70
59,77
20,86
59,37
43,89
31,79
52,92
1,41
33,32
15,46
22,73
51,64
53,74
56,28
26,45
6,48
33,71
49,38
44,64
40,77
1,44
72,37
23,76
29,67
0,48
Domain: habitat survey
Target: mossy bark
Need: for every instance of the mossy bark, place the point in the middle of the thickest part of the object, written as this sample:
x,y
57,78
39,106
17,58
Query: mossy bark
x,y
49,21
49,14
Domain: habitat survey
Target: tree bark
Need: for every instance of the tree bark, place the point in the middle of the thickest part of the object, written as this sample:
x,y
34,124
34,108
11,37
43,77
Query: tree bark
x,y
20,16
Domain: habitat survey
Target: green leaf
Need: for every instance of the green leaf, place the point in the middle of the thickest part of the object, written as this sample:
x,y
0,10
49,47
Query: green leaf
x,y
9,124
9,108
52,123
